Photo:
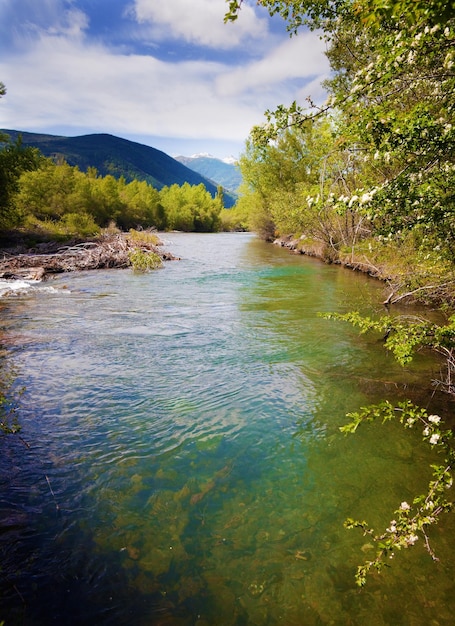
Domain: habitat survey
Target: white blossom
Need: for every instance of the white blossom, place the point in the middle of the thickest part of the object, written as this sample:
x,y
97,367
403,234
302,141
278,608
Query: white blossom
x,y
404,506
434,439
393,527
366,197
434,419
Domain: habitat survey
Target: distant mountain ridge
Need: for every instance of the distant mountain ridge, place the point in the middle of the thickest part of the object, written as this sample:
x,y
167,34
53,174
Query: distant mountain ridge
x,y
224,171
119,157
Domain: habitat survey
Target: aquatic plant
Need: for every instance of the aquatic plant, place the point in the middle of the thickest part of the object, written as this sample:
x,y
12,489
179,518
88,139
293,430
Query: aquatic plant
x,y
9,399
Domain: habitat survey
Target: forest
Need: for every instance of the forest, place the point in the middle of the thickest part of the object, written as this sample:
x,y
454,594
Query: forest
x,y
58,201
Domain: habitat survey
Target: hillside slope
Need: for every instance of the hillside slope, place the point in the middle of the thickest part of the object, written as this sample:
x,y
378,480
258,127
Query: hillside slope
x,y
118,157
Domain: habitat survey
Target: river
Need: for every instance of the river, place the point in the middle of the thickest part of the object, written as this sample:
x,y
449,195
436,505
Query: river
x,y
180,460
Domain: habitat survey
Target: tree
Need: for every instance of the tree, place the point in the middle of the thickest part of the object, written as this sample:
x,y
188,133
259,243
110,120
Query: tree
x,y
14,159
190,208
142,206
393,87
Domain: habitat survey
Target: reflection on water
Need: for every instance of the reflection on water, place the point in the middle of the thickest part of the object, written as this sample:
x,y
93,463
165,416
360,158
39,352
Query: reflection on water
x,y
185,464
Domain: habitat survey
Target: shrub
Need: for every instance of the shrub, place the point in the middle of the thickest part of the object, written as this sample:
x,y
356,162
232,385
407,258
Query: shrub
x,y
144,261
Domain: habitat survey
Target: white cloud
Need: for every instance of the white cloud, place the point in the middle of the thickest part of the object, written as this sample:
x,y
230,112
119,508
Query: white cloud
x,y
22,21
63,80
65,83
298,57
72,24
199,21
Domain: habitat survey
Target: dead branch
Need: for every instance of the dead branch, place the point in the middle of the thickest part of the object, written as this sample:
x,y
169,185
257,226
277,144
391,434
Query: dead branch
x,y
107,252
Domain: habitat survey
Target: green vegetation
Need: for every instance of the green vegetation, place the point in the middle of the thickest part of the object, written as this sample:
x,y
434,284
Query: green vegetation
x,y
119,157
14,159
61,202
376,163
411,521
190,208
143,261
368,179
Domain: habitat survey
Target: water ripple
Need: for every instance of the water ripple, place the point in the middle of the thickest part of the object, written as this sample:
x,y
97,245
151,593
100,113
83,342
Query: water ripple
x,y
183,460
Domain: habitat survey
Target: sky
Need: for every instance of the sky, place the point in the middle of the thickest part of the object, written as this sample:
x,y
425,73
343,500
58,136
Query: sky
x,y
165,73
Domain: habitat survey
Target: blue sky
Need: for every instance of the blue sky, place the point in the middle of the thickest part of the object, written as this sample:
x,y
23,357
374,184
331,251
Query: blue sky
x,y
166,73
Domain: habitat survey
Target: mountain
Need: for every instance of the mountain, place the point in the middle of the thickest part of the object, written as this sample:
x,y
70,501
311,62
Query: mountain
x,y
119,157
224,171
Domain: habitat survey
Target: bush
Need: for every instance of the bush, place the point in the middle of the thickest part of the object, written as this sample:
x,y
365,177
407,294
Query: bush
x,y
143,237
144,261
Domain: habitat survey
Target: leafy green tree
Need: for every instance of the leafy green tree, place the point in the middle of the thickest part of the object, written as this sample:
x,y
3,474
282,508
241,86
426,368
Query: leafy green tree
x,y
235,219
190,208
48,192
179,215
292,186
142,206
14,159
393,88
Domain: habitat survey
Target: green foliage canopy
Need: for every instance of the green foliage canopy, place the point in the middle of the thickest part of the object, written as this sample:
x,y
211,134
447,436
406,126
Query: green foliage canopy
x,y
59,196
190,208
391,103
14,159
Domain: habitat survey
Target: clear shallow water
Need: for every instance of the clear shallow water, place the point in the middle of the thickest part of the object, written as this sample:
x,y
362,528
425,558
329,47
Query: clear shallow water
x,y
185,464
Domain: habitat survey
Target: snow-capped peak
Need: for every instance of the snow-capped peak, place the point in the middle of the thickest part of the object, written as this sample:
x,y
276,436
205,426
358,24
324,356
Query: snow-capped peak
x,y
202,155
230,160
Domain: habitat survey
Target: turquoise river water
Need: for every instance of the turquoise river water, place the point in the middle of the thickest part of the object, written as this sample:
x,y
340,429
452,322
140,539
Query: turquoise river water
x,y
181,461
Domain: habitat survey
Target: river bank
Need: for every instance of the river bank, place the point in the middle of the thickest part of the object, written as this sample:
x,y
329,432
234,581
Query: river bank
x,y
109,250
320,250
409,275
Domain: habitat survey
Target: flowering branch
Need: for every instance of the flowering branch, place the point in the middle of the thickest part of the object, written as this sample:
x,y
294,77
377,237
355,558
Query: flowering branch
x,y
410,521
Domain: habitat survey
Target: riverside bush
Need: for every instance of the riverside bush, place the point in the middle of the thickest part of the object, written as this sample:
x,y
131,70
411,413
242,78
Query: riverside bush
x,y
143,261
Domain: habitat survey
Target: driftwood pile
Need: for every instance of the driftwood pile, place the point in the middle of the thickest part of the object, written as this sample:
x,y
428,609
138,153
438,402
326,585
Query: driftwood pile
x,y
108,251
